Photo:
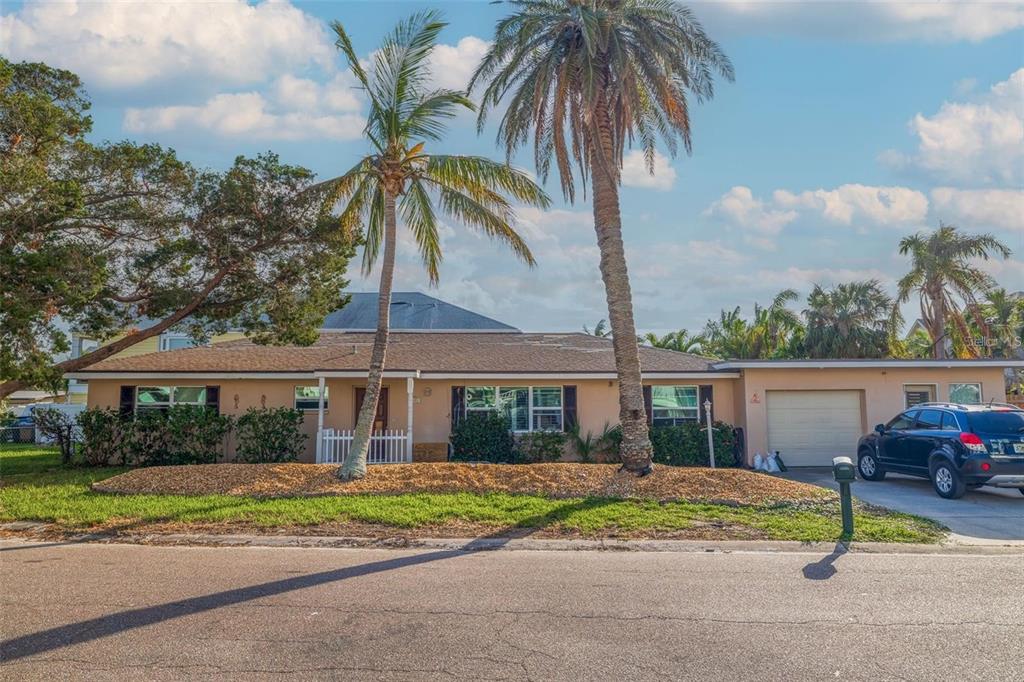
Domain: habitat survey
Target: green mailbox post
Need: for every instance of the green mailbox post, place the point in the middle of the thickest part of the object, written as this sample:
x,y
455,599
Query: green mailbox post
x,y
845,474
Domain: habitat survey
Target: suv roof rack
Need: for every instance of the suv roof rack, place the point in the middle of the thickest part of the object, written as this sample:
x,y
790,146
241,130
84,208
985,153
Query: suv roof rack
x,y
938,404
962,406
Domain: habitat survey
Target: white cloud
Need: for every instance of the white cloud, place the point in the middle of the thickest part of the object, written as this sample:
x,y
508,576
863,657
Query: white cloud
x,y
981,208
451,66
862,203
979,142
294,109
636,174
741,208
127,44
874,21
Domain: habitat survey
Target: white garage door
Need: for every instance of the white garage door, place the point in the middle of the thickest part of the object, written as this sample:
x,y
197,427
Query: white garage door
x,y
809,428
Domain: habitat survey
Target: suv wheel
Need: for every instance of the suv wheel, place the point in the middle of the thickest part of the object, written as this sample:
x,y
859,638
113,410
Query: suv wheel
x,y
869,467
947,481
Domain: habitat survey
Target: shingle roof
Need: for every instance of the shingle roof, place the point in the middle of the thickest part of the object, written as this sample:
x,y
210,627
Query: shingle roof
x,y
410,310
450,352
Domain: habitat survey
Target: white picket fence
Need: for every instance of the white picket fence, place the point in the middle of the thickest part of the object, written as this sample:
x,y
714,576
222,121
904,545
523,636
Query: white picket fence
x,y
386,447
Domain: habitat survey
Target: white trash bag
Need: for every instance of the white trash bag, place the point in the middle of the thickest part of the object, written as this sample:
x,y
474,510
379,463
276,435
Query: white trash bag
x,y
771,465
758,462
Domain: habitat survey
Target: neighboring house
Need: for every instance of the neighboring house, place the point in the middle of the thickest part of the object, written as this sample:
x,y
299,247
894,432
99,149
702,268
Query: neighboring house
x,y
445,362
31,396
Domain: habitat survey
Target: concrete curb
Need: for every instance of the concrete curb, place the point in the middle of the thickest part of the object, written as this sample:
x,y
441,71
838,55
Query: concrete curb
x,y
519,544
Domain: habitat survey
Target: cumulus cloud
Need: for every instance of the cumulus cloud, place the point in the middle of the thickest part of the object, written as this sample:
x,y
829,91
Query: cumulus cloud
x,y
127,44
636,174
874,21
740,207
452,65
293,109
977,142
981,208
862,203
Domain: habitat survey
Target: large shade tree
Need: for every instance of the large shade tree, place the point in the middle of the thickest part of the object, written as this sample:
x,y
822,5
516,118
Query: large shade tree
x,y
945,277
850,320
401,175
581,80
125,241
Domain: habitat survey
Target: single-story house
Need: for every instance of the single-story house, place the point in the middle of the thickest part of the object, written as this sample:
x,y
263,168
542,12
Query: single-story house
x,y
444,362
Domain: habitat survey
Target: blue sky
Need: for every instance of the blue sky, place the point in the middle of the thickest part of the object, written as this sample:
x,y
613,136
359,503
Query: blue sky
x,y
849,126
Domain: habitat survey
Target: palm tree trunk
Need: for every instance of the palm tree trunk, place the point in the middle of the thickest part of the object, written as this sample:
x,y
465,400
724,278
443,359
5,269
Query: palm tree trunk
x,y
636,444
355,463
937,326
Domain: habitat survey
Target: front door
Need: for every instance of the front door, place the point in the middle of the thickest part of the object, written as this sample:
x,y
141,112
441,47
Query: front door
x,y
380,420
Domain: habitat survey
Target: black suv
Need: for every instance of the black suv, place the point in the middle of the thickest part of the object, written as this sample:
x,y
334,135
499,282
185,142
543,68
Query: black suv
x,y
956,446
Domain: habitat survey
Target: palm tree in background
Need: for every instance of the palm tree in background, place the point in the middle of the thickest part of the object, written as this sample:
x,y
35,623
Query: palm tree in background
x,y
1001,323
946,281
774,332
680,341
581,79
400,175
851,320
600,330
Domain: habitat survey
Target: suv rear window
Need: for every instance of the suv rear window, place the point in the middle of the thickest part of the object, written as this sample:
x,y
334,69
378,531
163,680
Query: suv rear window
x,y
1009,421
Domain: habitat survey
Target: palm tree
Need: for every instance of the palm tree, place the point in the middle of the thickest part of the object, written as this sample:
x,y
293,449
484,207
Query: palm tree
x,y
600,330
775,326
945,280
851,320
581,79
680,341
399,174
1001,322
730,336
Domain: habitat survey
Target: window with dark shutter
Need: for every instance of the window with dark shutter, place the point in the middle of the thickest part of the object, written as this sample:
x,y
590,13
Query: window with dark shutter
x,y
127,401
213,398
458,404
569,414
648,405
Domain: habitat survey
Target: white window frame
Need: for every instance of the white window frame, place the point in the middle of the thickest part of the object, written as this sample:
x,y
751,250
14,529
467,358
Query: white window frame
x,y
654,410
560,410
981,395
315,399
167,337
172,402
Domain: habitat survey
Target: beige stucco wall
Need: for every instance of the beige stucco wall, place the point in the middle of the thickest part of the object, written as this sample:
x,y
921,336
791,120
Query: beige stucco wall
x,y
881,391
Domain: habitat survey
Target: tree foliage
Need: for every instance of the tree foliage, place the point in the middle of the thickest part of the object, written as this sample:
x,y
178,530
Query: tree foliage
x,y
125,239
850,320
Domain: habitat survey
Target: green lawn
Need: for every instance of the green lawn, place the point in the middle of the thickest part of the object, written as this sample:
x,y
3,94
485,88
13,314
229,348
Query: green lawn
x,y
35,487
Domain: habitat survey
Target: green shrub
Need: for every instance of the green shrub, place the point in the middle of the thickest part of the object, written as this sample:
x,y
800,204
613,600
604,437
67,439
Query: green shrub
x,y
105,436
588,447
686,444
58,427
148,441
540,446
483,437
270,435
196,433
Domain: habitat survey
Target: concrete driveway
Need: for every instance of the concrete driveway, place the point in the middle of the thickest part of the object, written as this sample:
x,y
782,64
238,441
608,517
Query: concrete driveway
x,y
981,517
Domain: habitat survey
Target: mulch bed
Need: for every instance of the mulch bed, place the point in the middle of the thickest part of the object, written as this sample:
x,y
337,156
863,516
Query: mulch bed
x,y
730,486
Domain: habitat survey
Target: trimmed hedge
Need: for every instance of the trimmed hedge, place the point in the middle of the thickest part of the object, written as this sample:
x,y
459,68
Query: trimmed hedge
x,y
483,437
270,435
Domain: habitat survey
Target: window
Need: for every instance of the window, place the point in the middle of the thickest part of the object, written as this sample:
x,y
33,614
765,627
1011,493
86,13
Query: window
x,y
915,394
308,397
527,408
929,420
162,397
949,422
903,421
175,342
966,394
997,421
673,405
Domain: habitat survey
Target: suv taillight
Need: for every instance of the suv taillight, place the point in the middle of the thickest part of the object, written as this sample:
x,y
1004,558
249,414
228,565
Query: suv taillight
x,y
972,442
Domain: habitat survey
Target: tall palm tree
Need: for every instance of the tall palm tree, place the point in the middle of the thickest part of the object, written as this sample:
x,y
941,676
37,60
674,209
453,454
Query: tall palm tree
x,y
1001,322
945,279
775,325
400,175
680,341
851,320
729,337
581,79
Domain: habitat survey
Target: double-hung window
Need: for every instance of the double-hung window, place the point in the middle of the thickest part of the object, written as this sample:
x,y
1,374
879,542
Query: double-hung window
x,y
173,341
673,405
308,397
527,408
160,398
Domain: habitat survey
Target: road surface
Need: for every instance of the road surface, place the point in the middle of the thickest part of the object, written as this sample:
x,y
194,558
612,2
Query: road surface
x,y
103,612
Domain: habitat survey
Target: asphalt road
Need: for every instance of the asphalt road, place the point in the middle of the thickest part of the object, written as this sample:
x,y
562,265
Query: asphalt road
x,y
981,517
103,612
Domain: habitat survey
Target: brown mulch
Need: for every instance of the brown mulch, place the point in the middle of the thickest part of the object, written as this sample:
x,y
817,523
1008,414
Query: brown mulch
x,y
731,486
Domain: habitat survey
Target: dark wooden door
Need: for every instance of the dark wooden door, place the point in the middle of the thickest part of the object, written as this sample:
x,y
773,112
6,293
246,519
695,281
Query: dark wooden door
x,y
380,420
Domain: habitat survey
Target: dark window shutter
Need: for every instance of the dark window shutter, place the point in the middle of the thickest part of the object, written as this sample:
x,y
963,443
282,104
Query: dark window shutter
x,y
127,401
569,417
706,392
213,398
648,405
458,404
